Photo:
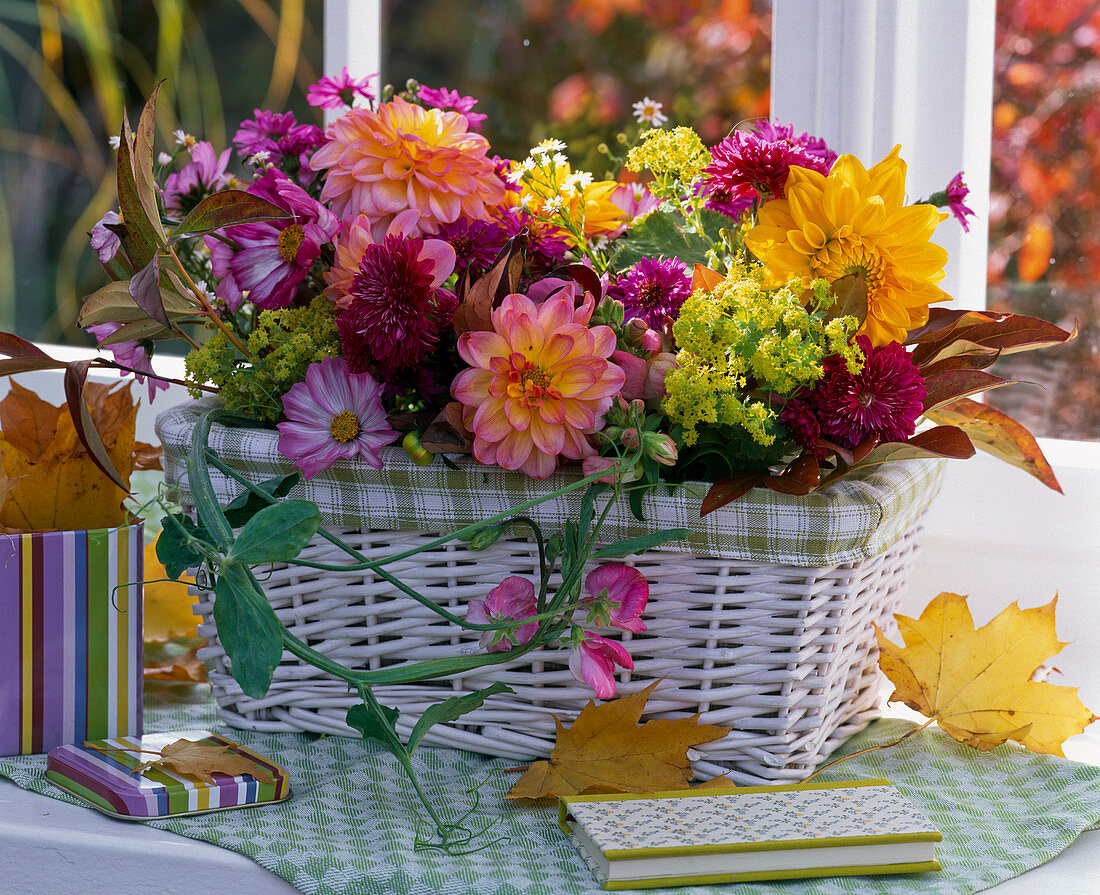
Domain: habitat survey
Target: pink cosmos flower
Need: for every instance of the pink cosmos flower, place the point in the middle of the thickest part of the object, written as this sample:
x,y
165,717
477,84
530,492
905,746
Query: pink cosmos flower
x,y
132,355
537,382
273,257
593,662
511,600
452,101
203,175
340,90
105,242
885,398
333,414
625,591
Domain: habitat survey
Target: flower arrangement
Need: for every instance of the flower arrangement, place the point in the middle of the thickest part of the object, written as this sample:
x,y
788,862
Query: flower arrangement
x,y
756,313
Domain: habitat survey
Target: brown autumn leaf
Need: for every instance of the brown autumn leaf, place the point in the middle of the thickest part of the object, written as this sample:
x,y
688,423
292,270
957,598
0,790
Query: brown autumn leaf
x,y
148,456
606,750
187,668
979,684
199,760
28,422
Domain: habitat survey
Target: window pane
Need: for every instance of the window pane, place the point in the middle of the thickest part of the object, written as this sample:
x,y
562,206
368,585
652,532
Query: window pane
x,y
1045,215
571,69
66,69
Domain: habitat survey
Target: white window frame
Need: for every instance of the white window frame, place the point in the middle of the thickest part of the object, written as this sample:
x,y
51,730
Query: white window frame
x,y
864,75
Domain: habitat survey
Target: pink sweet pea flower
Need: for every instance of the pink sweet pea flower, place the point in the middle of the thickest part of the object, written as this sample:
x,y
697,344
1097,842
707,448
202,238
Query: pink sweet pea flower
x,y
593,662
623,590
105,242
511,600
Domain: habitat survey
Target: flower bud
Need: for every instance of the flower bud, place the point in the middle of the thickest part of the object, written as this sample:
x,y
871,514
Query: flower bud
x,y
485,538
631,438
661,448
419,454
651,340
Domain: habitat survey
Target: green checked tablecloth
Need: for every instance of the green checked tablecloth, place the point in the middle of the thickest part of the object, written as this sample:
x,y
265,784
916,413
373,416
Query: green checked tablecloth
x,y
348,828
853,519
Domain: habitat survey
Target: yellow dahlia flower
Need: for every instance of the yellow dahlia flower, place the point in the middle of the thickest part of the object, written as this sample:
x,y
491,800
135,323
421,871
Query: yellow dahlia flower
x,y
855,221
403,156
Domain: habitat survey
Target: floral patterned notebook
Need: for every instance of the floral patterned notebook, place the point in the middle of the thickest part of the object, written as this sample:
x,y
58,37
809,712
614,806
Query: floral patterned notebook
x,y
750,833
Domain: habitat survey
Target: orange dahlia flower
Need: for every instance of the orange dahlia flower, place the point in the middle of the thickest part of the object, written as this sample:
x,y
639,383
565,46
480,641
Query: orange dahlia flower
x,y
403,156
855,221
537,382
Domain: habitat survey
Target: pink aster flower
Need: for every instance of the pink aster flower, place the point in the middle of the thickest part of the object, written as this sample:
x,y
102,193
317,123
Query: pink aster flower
x,y
653,290
512,600
272,258
452,101
747,167
621,592
340,90
393,308
957,191
333,414
537,382
885,398
105,242
131,354
203,175
593,662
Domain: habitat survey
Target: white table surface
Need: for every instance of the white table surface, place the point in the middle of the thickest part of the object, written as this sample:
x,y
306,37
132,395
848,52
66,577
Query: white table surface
x,y
49,847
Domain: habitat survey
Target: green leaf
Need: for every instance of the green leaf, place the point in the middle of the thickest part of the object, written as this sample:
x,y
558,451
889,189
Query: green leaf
x,y
451,710
247,504
143,162
137,330
381,730
225,209
174,548
641,544
139,238
113,303
276,533
248,629
668,233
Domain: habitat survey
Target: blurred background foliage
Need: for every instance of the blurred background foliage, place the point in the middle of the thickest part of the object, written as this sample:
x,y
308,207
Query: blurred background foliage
x,y
566,68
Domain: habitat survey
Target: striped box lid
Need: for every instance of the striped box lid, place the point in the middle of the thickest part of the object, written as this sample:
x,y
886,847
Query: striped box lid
x,y
101,772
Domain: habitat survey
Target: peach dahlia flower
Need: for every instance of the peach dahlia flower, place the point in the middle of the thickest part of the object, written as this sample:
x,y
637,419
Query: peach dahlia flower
x,y
403,156
537,382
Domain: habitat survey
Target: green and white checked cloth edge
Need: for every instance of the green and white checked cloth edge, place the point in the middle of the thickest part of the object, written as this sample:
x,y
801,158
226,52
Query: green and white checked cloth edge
x,y
347,828
853,519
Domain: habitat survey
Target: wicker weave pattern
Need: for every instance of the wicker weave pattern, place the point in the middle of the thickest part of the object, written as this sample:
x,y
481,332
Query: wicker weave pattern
x,y
784,654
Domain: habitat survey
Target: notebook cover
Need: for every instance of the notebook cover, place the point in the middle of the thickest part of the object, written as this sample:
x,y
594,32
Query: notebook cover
x,y
106,780
750,819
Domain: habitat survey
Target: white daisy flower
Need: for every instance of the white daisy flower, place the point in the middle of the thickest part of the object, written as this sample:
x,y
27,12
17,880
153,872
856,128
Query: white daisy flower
x,y
114,141
648,111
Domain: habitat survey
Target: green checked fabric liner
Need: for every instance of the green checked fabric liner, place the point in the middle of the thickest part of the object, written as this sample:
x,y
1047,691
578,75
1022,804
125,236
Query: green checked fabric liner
x,y
348,827
762,621
854,519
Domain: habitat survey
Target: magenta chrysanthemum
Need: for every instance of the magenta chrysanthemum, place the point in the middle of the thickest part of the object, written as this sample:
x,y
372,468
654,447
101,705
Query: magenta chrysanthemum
x,y
333,414
774,132
452,101
653,290
957,191
394,309
885,398
476,244
338,91
747,167
273,257
801,421
203,175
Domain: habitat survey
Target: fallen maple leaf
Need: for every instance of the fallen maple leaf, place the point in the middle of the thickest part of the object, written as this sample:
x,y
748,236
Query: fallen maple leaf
x,y
168,605
199,760
606,750
978,684
187,668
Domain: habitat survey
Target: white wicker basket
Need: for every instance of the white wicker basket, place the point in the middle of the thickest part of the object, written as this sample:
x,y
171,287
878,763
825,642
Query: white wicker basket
x,y
782,652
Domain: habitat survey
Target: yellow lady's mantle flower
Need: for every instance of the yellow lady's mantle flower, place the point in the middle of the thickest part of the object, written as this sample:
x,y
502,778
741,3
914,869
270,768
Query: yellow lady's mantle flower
x,y
854,221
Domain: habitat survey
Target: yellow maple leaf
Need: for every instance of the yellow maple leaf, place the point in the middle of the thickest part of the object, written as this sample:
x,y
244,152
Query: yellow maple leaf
x,y
168,605
978,684
606,750
199,760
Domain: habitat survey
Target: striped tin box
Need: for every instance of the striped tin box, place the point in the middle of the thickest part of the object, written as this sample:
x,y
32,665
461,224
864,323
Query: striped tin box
x,y
70,637
106,779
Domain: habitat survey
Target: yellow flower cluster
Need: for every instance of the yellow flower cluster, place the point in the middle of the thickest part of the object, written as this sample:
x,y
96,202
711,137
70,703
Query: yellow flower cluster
x,y
285,342
741,343
672,155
